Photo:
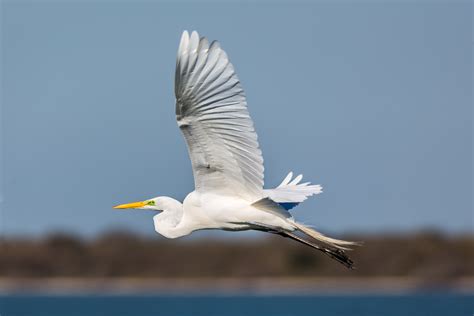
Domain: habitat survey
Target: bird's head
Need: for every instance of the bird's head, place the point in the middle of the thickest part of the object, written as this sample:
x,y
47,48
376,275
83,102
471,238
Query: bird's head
x,y
151,204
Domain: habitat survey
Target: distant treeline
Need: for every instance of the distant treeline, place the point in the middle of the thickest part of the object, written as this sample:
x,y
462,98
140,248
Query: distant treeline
x,y
119,254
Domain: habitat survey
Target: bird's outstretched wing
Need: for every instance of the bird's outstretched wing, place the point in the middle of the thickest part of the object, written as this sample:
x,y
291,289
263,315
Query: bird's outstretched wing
x,y
211,111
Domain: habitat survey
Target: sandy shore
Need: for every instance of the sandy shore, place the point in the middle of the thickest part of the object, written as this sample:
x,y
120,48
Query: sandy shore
x,y
229,286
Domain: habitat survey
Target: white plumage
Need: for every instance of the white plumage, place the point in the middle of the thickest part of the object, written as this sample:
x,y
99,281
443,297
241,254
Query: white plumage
x,y
211,111
292,191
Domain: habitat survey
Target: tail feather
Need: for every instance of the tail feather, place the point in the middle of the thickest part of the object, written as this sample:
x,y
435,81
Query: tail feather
x,y
334,253
330,249
336,243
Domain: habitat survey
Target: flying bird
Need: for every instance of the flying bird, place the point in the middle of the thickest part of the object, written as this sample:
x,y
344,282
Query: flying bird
x,y
227,163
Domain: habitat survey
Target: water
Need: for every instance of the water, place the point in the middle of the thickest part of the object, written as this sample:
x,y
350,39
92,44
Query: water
x,y
438,304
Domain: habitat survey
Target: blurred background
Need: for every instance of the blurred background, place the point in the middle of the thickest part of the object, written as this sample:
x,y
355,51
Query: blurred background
x,y
373,101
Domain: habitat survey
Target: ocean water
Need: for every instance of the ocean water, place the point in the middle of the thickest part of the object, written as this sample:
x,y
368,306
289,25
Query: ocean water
x,y
434,304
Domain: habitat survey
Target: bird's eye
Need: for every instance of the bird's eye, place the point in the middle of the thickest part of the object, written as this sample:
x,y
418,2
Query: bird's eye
x,y
151,203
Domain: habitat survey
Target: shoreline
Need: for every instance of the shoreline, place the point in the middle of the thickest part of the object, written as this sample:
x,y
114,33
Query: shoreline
x,y
232,286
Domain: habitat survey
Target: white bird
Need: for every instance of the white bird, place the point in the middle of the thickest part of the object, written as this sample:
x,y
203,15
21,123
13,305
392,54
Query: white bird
x,y
211,111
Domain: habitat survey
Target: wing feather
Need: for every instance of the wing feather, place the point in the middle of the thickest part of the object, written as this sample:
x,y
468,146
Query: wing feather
x,y
211,111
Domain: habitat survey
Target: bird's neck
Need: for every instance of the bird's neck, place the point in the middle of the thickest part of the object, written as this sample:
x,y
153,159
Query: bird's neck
x,y
171,221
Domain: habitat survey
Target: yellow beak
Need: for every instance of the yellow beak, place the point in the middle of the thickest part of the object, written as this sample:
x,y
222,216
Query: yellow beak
x,y
131,205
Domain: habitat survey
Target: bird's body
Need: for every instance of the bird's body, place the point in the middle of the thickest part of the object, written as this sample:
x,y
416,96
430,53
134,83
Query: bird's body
x,y
211,111
212,211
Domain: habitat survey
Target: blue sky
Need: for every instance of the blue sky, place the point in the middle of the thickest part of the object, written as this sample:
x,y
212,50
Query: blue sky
x,y
371,100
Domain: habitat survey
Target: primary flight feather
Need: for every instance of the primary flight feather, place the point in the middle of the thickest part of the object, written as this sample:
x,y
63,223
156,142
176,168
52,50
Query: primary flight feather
x,y
211,111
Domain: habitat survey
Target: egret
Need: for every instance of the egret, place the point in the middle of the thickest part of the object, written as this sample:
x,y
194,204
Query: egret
x,y
227,163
